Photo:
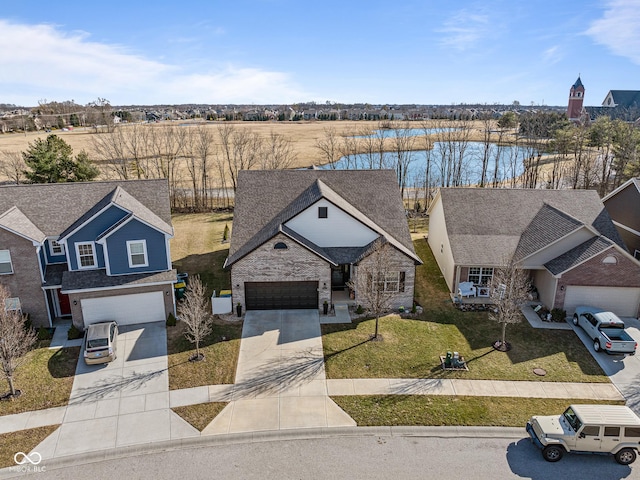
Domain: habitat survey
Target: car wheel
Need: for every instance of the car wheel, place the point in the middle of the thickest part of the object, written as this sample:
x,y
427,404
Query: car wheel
x,y
575,319
596,346
552,453
626,456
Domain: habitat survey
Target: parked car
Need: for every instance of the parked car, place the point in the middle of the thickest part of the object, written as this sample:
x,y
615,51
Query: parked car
x,y
100,343
606,429
605,329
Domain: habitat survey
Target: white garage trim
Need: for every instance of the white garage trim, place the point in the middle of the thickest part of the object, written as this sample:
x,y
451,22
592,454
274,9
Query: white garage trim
x,y
622,301
124,309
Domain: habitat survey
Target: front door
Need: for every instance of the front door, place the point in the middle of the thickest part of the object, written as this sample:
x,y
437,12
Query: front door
x,y
65,305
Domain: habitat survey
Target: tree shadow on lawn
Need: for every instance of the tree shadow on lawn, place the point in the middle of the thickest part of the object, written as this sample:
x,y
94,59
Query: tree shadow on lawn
x,y
222,332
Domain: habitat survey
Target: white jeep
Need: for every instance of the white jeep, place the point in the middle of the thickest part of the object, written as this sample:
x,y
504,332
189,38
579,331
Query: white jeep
x,y
613,429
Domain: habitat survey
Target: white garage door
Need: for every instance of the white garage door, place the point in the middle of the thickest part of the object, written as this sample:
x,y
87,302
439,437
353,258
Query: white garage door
x,y
124,309
622,301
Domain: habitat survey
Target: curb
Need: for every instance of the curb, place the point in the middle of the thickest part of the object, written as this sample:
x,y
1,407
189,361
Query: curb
x,y
272,436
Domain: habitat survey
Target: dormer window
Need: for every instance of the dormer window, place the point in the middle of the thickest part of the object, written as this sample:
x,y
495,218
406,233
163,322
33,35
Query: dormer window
x,y
280,246
322,212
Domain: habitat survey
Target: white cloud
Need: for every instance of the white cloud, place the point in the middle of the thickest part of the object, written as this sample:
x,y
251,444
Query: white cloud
x,y
552,55
39,61
464,30
619,29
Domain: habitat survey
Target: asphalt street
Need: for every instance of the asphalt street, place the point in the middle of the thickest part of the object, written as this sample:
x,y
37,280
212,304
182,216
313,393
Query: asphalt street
x,y
362,457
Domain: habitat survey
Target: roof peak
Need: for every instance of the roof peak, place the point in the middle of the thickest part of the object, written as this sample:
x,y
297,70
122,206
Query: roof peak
x,y
578,83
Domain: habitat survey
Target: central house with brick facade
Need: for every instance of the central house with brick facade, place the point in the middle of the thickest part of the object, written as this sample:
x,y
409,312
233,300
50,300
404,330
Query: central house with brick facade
x,y
299,236
565,238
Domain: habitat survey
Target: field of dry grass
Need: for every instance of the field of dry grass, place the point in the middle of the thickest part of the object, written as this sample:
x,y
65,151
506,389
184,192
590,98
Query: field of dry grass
x,y
302,135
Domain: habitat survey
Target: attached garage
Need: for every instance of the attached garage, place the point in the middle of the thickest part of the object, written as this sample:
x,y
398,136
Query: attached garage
x,y
124,309
280,295
622,301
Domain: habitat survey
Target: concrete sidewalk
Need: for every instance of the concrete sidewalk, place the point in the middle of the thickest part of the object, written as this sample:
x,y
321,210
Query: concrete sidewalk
x,y
360,386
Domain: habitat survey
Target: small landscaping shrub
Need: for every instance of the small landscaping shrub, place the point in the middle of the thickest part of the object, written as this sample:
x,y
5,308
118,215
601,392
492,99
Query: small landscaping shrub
x,y
44,334
171,320
558,315
359,310
73,333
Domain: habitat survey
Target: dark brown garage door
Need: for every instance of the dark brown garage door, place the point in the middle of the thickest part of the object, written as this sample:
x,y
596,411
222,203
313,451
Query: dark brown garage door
x,y
280,295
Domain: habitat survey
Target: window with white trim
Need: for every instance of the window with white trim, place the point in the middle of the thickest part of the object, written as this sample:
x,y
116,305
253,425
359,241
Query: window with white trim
x,y
480,275
55,248
137,250
6,266
12,304
86,255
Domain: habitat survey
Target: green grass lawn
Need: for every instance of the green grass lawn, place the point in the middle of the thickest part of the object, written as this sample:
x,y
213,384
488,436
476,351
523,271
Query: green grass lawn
x,y
220,348
45,380
411,347
415,410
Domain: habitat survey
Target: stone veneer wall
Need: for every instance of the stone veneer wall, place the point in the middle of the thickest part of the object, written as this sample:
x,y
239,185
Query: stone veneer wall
x,y
398,261
294,264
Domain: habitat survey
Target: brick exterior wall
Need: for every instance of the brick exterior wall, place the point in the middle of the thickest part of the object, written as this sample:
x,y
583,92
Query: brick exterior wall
x,y
624,273
25,282
265,264
76,310
400,262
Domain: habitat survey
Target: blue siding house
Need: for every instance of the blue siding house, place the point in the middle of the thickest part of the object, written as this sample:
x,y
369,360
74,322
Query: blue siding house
x,y
92,251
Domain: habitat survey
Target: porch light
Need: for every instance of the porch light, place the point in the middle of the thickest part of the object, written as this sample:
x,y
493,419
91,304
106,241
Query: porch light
x,y
324,285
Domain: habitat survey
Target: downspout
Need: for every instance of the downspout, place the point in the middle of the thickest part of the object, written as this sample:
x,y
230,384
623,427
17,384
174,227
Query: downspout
x,y
457,279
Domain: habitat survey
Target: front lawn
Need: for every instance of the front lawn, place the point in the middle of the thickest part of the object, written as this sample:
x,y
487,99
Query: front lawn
x,y
200,415
45,378
415,410
220,348
411,347
22,441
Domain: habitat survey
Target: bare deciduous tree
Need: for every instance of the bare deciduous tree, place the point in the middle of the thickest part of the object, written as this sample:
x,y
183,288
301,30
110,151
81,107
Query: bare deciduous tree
x,y
377,282
329,146
195,314
15,339
12,166
509,291
277,152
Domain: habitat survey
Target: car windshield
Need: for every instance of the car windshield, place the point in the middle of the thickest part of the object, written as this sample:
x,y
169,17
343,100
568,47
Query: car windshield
x,y
572,418
97,342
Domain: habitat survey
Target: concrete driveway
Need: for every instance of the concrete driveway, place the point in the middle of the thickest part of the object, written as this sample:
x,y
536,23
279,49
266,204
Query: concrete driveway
x,y
624,371
280,380
125,402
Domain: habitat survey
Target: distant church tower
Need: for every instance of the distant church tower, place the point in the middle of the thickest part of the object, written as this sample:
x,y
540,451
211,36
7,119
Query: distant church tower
x,y
576,97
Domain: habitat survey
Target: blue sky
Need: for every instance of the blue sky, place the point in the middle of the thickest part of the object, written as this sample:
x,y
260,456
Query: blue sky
x,y
286,51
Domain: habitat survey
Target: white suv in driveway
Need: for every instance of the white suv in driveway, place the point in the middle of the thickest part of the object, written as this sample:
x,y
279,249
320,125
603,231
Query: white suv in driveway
x,y
613,429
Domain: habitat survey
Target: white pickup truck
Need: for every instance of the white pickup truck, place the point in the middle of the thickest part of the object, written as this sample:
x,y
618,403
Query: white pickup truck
x,y
606,330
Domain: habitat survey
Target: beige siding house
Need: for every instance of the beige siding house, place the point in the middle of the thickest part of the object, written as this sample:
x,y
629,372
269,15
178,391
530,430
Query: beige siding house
x,y
565,238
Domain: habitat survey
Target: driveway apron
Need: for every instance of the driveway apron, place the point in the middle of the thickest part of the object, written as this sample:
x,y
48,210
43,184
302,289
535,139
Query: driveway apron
x,y
280,379
124,402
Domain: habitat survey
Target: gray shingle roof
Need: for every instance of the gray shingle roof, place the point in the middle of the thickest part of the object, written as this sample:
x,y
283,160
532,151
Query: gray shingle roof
x,y
54,207
16,221
548,225
485,225
626,98
265,199
97,279
577,255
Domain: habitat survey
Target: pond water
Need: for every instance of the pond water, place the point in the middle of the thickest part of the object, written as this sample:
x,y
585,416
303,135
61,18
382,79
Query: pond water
x,y
404,132
468,155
